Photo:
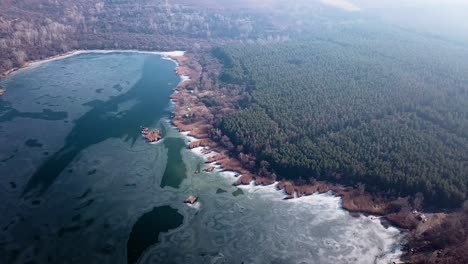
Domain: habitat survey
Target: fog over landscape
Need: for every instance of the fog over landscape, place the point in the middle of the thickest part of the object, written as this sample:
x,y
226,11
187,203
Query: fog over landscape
x,y
438,17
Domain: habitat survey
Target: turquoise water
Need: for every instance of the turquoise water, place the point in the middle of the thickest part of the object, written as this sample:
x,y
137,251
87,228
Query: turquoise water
x,y
80,185
175,171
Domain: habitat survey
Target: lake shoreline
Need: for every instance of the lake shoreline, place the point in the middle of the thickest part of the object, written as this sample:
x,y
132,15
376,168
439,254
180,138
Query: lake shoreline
x,y
64,55
186,68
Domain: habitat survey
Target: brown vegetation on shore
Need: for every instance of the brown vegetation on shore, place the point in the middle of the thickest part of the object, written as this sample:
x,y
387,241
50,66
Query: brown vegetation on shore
x,y
441,239
192,115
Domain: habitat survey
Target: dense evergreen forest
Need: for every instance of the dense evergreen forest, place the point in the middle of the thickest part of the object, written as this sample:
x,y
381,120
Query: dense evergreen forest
x,y
384,108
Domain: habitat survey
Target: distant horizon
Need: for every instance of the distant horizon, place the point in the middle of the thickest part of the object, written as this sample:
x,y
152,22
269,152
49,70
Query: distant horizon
x,y
383,4
446,19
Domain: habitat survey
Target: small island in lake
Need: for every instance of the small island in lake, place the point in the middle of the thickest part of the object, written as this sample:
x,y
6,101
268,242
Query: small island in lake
x,y
191,199
152,136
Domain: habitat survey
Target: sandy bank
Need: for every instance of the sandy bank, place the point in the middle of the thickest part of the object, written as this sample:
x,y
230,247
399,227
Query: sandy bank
x,y
166,54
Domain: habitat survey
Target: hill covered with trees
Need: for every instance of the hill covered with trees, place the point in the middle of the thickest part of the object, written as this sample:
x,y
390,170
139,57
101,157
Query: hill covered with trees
x,y
367,107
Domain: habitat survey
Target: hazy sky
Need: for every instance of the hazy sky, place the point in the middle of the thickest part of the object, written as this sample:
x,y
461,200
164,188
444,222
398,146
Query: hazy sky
x,y
357,5
343,4
406,3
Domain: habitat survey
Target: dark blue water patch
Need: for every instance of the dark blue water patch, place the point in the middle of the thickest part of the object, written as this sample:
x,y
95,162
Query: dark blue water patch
x,y
84,204
8,158
99,90
219,190
237,192
175,171
69,229
102,120
46,114
107,248
36,202
106,226
12,255
85,194
33,143
75,228
146,230
11,223
76,218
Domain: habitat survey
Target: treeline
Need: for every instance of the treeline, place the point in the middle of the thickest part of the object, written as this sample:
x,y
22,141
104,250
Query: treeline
x,y
35,29
31,30
361,107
